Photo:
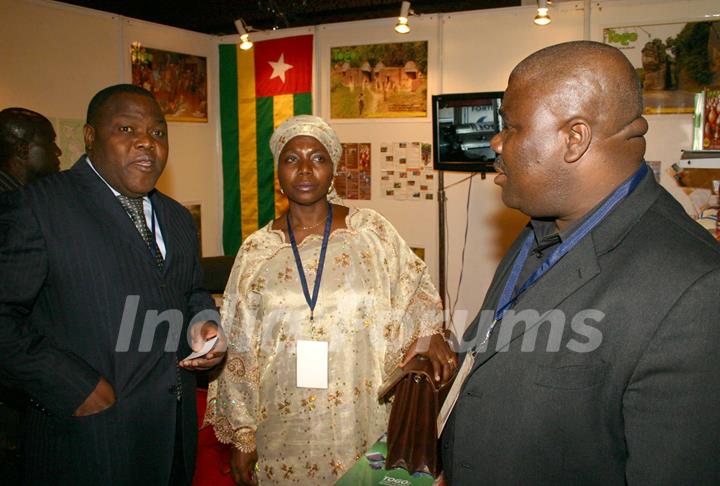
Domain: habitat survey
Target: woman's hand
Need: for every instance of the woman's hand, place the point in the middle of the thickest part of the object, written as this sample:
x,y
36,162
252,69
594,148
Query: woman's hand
x,y
443,359
242,467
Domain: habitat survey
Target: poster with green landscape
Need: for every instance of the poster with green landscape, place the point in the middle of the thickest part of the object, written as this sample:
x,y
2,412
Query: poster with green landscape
x,y
379,80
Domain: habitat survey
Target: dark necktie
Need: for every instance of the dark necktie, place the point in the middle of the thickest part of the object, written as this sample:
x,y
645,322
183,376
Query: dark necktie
x,y
134,208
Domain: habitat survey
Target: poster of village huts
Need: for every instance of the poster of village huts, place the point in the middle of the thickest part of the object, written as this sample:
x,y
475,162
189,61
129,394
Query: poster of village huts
x,y
673,61
379,80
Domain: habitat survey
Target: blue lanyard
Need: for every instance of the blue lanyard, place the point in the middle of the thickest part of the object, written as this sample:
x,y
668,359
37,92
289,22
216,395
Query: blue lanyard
x,y
311,301
507,299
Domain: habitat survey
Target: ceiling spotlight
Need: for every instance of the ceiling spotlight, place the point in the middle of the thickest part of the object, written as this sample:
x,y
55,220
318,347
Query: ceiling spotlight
x,y
402,26
542,17
244,31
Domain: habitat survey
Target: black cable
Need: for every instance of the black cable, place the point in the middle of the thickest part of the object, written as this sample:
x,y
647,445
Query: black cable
x,y
460,181
446,257
462,258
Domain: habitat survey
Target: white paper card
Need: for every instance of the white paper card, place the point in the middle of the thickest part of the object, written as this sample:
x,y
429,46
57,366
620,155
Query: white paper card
x,y
312,364
454,392
205,349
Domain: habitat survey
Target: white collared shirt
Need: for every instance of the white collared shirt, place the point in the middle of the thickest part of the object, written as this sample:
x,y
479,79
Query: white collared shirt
x,y
147,209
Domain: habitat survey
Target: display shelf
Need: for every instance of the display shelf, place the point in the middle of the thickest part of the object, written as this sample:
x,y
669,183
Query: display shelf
x,y
700,159
700,163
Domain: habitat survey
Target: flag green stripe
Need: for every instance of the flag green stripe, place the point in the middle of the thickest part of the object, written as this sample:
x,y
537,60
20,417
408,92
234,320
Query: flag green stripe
x,y
230,153
265,164
303,104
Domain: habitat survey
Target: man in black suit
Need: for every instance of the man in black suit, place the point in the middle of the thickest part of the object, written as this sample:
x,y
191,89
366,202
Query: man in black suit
x,y
596,357
100,297
27,152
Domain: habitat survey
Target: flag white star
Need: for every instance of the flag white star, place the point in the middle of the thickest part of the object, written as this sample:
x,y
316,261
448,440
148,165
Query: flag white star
x,y
279,68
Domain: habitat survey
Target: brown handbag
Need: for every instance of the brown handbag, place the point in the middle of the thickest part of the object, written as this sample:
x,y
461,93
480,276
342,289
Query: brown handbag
x,y
412,430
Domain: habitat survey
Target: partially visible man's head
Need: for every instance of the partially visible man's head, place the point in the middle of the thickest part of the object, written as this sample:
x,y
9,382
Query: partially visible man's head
x,y
572,113
126,138
27,145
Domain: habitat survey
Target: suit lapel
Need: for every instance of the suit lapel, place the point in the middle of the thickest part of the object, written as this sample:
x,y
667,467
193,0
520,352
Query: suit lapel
x,y
493,293
567,276
106,209
574,270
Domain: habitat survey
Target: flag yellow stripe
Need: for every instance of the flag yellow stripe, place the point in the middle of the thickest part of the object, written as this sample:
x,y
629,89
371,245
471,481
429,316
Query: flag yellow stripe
x,y
283,108
247,139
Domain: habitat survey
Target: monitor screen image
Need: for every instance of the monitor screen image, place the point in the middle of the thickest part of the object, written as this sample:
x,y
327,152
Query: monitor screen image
x,y
463,126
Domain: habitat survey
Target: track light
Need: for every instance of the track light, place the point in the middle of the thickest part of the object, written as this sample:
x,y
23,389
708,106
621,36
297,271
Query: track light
x,y
244,31
402,26
542,17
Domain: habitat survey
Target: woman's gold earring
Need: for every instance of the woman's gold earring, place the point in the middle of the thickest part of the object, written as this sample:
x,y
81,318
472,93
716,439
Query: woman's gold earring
x,y
332,186
281,191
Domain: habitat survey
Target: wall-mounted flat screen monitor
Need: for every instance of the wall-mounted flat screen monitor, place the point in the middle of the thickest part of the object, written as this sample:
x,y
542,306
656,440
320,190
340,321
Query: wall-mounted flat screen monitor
x,y
463,125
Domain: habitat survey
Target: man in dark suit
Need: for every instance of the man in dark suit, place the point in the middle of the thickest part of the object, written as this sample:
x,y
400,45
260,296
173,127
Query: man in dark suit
x,y
596,357
27,152
100,297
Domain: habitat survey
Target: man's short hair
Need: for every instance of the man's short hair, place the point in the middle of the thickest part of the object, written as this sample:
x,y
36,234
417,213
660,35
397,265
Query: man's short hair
x,y
101,98
569,61
19,125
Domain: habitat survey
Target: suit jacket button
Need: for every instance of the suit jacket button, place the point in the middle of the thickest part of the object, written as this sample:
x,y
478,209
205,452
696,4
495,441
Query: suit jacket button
x,y
465,465
172,390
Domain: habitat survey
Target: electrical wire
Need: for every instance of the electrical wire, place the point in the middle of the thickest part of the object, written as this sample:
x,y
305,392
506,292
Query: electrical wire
x,y
453,306
460,181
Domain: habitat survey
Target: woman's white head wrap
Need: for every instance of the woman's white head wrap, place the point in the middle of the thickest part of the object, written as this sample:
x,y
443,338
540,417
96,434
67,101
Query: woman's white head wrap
x,y
312,126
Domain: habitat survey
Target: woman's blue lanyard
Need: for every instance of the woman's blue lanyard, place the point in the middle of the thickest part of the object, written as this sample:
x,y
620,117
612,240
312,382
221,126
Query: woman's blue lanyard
x,y
509,296
311,301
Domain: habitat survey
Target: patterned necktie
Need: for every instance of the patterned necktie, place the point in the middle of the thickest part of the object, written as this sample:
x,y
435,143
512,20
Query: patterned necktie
x,y
134,208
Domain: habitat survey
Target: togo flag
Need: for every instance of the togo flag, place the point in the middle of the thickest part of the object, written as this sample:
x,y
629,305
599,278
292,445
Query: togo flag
x,y
259,89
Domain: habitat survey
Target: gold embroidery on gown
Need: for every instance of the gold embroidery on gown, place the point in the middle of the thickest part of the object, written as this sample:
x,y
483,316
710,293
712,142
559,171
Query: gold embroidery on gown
x,y
375,299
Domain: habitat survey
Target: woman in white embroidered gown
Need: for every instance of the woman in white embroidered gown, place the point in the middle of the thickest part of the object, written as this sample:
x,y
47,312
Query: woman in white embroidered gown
x,y
375,300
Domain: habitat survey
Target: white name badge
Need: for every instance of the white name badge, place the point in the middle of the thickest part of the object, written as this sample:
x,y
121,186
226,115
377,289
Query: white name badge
x,y
454,392
312,364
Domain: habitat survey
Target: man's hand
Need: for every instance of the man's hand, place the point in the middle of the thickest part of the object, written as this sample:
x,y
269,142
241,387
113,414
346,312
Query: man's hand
x,y
443,359
242,467
199,333
101,398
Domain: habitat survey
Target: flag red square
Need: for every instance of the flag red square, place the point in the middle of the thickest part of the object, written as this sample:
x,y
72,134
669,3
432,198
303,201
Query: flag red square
x,y
283,66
